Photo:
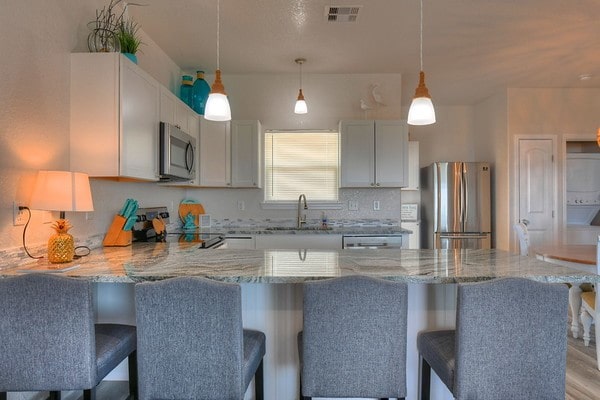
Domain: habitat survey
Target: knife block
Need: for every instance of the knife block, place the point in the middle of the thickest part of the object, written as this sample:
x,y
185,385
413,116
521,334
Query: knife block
x,y
116,236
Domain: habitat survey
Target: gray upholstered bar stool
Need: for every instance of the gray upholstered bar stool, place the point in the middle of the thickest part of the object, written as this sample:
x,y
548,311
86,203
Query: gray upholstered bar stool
x,y
49,342
353,343
191,343
510,342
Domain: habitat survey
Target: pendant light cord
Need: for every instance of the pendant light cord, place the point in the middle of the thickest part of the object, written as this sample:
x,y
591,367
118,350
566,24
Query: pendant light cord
x,y
421,36
300,75
218,29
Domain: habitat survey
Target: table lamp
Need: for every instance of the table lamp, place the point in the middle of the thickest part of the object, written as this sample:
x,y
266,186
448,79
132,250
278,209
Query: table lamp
x,y
61,191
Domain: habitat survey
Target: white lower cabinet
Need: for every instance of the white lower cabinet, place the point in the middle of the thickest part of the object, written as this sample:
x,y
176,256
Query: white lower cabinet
x,y
239,242
299,241
414,239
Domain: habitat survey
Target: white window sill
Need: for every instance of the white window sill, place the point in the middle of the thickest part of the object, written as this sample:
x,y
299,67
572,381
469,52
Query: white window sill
x,y
293,205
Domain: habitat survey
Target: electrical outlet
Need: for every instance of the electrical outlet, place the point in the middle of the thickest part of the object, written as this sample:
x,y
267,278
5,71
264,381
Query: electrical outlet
x,y
241,205
376,205
19,216
353,205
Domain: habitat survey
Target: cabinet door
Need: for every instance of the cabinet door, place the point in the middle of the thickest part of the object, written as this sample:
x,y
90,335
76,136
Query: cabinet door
x,y
139,123
391,153
413,167
414,239
357,154
298,241
215,153
168,106
246,154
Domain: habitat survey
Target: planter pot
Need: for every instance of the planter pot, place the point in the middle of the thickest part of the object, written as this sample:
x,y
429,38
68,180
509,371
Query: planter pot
x,y
131,56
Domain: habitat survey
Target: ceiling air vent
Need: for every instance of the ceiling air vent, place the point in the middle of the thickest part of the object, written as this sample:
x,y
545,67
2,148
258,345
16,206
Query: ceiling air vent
x,y
342,13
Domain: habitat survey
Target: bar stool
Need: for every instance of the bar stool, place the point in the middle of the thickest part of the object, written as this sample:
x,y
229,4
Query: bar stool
x,y
191,341
510,342
48,340
353,343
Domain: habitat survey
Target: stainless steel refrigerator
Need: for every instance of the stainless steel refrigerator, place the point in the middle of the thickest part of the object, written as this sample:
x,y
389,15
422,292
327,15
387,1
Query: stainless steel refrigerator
x,y
456,205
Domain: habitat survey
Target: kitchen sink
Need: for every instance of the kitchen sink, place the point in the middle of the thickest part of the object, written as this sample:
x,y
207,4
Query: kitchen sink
x,y
293,228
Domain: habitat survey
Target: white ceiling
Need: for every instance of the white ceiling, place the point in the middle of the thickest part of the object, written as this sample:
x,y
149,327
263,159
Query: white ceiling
x,y
472,48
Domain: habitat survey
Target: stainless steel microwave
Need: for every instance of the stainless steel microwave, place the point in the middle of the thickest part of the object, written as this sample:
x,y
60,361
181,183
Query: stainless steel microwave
x,y
177,154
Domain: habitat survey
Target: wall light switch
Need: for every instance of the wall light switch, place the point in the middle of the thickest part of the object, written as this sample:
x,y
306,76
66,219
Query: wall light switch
x,y
353,205
241,205
376,205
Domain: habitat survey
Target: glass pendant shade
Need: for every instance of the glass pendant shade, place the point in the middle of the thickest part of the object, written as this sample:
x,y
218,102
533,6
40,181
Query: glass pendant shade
x,y
300,107
217,106
421,111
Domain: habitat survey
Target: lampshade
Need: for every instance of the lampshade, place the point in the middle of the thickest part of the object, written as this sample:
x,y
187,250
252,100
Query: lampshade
x,y
300,107
62,191
421,111
217,106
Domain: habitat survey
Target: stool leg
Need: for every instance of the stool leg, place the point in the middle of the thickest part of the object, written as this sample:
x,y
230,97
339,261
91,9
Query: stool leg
x,y
133,376
425,378
55,395
3,396
89,394
258,382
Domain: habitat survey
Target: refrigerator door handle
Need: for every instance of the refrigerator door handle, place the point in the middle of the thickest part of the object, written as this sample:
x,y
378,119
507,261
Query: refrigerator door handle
x,y
463,197
464,236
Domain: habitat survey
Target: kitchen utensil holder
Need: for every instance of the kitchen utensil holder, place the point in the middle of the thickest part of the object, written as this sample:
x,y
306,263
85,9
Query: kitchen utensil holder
x,y
116,236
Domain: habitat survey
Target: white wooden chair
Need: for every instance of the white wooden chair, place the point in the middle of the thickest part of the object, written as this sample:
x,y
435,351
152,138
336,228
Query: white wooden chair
x,y
589,307
521,230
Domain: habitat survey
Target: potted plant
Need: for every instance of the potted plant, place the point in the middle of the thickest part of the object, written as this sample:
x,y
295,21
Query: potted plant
x,y
103,35
130,42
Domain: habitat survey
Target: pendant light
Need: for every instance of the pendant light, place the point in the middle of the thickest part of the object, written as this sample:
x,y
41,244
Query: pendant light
x,y
300,107
217,105
421,110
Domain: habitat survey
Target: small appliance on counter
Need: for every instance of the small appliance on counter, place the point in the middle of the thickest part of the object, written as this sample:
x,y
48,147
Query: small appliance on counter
x,y
144,230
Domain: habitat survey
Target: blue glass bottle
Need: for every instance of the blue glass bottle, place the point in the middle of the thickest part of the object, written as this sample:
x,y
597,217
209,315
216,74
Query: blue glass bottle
x,y
200,93
185,93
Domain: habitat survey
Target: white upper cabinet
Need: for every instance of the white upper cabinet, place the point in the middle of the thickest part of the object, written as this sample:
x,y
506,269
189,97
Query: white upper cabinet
x,y
246,154
374,153
230,154
174,111
413,167
114,117
215,153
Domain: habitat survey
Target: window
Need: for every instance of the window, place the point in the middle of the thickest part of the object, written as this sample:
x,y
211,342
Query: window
x,y
301,162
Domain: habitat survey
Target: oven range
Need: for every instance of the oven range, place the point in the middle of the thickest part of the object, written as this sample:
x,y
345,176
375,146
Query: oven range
x,y
143,230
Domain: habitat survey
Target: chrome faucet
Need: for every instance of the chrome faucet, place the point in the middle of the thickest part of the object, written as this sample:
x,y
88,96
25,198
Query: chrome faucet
x,y
301,217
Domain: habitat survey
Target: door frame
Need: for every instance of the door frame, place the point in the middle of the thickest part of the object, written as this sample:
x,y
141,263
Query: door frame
x,y
568,137
514,206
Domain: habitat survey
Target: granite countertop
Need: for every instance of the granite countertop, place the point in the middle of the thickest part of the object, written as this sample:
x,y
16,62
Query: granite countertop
x,y
153,261
315,230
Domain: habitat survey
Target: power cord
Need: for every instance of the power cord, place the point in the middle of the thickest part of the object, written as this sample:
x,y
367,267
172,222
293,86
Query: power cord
x,y
25,230
86,249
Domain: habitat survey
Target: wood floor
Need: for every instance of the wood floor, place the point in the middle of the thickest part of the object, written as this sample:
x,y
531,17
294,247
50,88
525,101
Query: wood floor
x,y
583,378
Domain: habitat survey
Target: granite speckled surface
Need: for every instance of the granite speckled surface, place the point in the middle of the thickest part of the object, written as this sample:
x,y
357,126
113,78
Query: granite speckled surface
x,y
153,261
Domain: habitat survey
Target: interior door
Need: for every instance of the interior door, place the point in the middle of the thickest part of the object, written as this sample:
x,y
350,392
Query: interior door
x,y
536,183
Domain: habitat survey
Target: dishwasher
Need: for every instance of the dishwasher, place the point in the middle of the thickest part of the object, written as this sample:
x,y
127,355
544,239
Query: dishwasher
x,y
372,242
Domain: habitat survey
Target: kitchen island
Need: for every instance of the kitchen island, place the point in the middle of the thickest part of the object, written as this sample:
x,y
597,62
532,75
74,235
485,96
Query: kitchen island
x,y
272,291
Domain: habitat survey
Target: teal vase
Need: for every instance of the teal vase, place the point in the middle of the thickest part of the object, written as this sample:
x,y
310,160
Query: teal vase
x,y
200,93
185,92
